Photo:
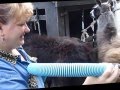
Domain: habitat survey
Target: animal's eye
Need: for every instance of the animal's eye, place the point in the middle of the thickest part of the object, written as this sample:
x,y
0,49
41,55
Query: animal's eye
x,y
95,9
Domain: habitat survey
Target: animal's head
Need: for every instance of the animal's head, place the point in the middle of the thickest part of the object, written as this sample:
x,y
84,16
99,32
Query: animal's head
x,y
113,4
100,8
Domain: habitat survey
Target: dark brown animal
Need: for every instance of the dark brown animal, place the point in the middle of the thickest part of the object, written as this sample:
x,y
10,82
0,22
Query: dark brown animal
x,y
62,50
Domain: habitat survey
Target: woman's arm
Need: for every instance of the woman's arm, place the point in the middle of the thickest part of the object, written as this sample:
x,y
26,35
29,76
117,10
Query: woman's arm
x,y
10,78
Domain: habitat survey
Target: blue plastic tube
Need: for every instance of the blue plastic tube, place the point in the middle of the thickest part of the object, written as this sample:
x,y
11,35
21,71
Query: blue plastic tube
x,y
67,69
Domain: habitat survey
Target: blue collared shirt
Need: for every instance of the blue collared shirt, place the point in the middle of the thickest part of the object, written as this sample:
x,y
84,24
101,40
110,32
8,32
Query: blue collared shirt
x,y
16,76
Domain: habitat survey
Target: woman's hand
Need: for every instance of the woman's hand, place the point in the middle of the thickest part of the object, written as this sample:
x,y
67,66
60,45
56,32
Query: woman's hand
x,y
111,75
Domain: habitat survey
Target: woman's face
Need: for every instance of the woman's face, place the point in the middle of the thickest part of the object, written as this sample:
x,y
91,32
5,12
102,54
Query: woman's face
x,y
14,33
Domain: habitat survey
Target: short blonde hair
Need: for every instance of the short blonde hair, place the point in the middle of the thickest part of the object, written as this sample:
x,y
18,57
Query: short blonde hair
x,y
18,11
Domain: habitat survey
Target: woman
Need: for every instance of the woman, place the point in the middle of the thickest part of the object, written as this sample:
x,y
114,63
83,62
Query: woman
x,y
13,59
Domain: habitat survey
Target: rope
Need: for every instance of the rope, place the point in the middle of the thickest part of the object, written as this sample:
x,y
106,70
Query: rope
x,y
84,31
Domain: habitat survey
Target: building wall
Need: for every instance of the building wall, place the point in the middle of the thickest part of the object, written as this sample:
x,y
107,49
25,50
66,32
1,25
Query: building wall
x,y
59,17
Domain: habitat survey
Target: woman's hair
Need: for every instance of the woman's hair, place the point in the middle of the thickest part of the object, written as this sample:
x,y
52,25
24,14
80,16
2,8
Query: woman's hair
x,y
17,11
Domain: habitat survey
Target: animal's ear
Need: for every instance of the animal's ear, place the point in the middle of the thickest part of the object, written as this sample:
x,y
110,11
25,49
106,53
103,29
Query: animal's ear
x,y
98,2
110,2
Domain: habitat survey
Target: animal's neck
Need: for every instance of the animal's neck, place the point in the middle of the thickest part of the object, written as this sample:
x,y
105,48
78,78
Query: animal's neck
x,y
102,31
104,19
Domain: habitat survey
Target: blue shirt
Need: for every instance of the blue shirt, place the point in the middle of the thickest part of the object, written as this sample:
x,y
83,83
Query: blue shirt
x,y
16,76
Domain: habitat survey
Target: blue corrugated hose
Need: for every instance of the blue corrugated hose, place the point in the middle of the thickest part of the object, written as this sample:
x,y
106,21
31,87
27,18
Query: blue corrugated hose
x,y
67,69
